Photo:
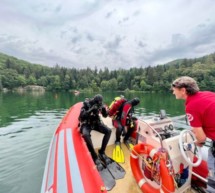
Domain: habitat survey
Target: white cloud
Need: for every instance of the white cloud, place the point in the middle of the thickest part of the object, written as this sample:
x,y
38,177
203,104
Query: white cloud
x,y
113,34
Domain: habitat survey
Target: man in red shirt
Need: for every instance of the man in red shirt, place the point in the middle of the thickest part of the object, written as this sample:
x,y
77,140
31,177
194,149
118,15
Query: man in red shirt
x,y
200,111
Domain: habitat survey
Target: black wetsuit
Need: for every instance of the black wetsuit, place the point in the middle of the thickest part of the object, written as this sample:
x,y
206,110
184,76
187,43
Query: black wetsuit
x,y
90,120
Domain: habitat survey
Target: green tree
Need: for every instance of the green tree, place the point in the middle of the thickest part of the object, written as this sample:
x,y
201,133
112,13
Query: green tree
x,y
66,85
9,79
56,82
94,86
1,86
105,85
112,84
42,81
21,80
31,80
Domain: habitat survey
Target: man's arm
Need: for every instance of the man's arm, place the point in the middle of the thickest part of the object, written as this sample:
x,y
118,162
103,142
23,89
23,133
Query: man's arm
x,y
200,135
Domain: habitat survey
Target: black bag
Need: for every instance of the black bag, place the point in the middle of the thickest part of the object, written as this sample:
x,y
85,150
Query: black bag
x,y
213,148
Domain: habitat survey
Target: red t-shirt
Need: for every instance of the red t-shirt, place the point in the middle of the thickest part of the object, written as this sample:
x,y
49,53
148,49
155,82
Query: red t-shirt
x,y
200,110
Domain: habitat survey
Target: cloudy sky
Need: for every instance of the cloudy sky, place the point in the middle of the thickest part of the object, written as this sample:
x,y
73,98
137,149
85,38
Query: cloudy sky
x,y
106,33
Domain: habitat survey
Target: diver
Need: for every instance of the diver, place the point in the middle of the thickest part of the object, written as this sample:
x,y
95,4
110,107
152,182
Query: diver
x,y
90,120
121,111
124,119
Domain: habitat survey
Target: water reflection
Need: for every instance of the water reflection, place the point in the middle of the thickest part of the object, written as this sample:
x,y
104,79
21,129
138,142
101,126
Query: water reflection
x,y
15,106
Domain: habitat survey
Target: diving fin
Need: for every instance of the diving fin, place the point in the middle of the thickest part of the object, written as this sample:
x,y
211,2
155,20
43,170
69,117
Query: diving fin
x,y
118,155
106,176
114,168
129,145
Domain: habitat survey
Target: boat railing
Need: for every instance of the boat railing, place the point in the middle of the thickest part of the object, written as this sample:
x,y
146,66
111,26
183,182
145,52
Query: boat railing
x,y
157,133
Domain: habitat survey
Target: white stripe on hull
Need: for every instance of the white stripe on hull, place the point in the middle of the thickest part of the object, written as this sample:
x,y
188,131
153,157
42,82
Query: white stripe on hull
x,y
61,169
51,164
77,183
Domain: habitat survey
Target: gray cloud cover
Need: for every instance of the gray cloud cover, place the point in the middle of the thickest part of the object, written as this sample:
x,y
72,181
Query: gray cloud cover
x,y
114,34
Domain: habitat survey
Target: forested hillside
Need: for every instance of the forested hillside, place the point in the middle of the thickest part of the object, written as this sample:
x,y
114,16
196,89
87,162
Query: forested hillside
x,y
15,73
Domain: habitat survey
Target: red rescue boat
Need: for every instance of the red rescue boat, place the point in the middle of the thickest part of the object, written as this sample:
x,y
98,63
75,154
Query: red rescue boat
x,y
69,167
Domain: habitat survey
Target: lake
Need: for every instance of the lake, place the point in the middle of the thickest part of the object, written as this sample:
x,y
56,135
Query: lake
x,y
28,121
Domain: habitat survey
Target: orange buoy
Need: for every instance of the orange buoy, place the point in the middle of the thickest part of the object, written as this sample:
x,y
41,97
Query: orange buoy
x,y
166,180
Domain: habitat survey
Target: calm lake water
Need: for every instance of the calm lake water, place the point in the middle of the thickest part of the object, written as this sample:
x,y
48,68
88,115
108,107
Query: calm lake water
x,y
28,121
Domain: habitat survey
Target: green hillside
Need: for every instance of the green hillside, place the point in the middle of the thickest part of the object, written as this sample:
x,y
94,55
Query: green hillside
x,y
19,73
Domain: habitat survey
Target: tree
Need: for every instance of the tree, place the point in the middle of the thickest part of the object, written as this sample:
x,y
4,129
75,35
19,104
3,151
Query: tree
x,y
8,63
9,79
105,85
21,80
113,84
31,80
209,60
1,86
42,81
94,86
57,83
144,86
66,85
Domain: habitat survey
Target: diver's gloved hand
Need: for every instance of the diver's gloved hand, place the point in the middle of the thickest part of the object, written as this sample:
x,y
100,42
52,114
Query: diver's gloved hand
x,y
103,109
94,107
134,118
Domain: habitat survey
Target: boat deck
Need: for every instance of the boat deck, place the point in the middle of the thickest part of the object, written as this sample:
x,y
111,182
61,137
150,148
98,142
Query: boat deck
x,y
128,183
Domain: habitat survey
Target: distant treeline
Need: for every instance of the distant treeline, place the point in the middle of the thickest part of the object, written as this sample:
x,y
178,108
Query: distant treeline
x,y
18,73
